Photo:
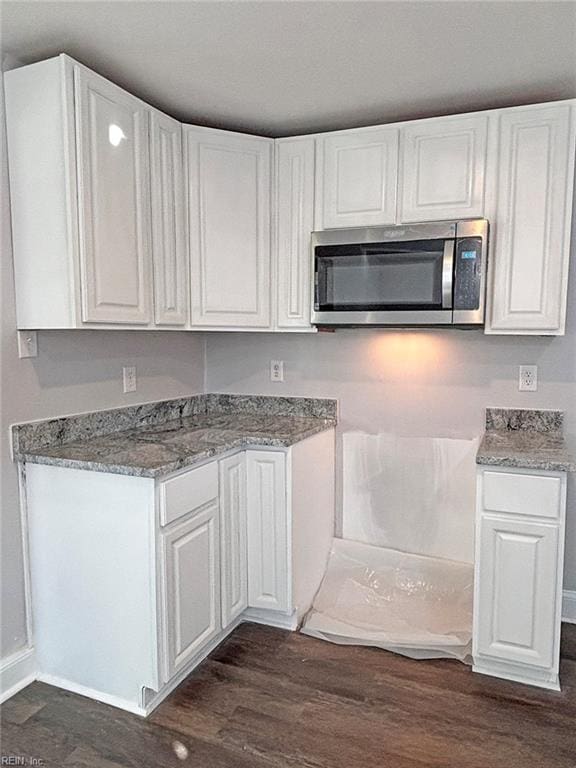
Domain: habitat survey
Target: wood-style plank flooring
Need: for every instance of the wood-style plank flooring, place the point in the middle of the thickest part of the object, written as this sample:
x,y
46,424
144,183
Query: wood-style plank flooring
x,y
269,699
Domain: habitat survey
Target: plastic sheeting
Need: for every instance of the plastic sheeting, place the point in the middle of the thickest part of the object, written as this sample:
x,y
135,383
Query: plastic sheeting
x,y
414,605
415,494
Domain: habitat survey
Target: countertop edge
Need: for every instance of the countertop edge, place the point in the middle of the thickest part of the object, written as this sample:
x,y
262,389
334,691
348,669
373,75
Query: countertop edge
x,y
513,462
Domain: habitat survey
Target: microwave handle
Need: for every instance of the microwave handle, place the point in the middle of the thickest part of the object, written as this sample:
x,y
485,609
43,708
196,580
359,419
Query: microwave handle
x,y
448,273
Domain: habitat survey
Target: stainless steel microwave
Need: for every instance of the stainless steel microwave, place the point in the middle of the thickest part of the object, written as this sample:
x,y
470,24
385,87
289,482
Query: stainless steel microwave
x,y
418,274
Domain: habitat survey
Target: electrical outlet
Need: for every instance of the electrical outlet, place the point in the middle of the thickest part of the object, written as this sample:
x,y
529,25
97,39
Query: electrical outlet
x,y
276,370
27,344
528,378
129,378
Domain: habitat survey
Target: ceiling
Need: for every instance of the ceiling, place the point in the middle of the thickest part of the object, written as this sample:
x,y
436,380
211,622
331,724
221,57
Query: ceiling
x,y
282,68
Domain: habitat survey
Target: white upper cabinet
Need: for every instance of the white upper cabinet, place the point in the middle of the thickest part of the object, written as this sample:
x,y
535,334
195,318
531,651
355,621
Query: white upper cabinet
x,y
121,217
442,168
229,211
295,211
357,178
530,223
43,193
170,256
113,200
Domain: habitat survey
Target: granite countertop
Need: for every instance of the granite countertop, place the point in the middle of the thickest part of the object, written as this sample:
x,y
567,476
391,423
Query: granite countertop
x,y
529,439
191,432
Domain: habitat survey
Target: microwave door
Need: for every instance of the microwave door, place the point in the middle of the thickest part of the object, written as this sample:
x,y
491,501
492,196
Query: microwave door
x,y
402,283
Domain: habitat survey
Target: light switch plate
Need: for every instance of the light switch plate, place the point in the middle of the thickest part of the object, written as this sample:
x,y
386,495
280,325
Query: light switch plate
x,y
528,378
27,344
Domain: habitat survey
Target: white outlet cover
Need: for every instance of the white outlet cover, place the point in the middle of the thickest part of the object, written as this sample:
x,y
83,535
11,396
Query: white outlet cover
x,y
27,344
276,370
129,378
528,378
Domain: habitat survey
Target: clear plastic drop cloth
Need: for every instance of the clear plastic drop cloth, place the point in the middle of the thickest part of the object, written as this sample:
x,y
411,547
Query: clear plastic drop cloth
x,y
415,605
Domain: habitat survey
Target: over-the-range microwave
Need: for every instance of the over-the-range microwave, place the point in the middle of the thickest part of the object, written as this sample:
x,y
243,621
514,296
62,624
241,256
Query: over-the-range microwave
x,y
413,275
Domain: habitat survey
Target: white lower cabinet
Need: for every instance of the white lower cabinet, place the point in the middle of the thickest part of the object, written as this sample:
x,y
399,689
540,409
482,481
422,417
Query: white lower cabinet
x,y
234,556
136,580
268,582
191,571
518,576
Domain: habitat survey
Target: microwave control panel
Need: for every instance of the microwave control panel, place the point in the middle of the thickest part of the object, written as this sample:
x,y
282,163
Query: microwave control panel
x,y
468,273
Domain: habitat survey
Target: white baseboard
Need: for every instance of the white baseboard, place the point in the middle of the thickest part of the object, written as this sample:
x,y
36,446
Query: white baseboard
x,y
83,690
16,672
569,606
271,618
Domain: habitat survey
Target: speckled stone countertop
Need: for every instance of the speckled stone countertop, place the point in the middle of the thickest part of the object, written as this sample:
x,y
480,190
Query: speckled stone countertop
x,y
158,438
529,439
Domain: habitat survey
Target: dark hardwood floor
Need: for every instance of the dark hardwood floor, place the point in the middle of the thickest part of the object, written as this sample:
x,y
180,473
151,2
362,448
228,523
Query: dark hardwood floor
x,y
268,698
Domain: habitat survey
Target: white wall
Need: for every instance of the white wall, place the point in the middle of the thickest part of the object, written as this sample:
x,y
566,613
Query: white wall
x,y
419,383
75,371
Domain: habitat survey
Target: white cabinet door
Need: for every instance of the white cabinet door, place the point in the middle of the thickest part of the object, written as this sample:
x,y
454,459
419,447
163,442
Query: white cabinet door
x,y
234,558
114,201
295,222
268,555
169,250
516,575
359,176
229,210
191,568
442,169
530,236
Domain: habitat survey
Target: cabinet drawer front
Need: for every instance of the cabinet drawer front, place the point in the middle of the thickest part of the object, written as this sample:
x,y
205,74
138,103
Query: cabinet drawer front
x,y
519,494
183,493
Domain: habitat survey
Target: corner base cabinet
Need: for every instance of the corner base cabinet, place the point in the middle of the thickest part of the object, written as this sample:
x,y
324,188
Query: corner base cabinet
x,y
135,580
518,574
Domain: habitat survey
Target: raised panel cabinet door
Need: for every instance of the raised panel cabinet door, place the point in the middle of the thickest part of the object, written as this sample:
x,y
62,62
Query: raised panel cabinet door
x,y
516,575
530,239
360,177
268,539
191,566
229,211
442,169
233,552
114,201
169,252
295,222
